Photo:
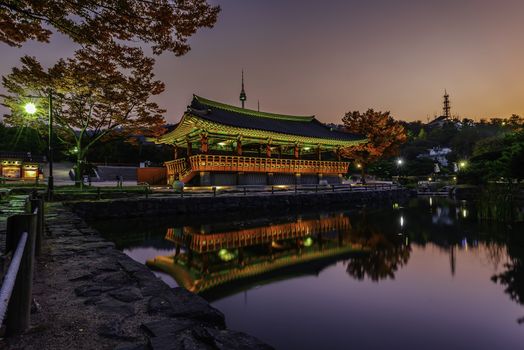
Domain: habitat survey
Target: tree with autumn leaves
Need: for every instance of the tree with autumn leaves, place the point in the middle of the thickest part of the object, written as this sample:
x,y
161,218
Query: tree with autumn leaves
x,y
105,89
163,24
95,97
384,136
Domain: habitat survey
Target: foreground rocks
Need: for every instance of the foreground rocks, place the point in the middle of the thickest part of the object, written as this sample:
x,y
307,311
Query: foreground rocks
x,y
92,296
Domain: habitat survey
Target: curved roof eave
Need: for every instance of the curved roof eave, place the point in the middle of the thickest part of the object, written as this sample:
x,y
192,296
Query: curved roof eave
x,y
201,123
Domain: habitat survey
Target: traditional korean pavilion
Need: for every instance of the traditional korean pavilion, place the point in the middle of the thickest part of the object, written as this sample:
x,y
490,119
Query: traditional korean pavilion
x,y
220,144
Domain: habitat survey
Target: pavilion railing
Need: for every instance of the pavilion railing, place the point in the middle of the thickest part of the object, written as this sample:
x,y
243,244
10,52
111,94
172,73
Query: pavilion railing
x,y
204,162
258,235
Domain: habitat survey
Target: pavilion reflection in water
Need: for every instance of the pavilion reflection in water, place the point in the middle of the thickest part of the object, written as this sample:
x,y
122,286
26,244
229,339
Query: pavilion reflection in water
x,y
205,260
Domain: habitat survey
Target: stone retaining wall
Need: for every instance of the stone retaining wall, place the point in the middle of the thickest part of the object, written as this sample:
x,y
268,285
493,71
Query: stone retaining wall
x,y
227,204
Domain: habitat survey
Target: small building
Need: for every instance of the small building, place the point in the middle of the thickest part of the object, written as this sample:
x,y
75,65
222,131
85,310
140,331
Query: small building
x,y
220,144
437,154
20,165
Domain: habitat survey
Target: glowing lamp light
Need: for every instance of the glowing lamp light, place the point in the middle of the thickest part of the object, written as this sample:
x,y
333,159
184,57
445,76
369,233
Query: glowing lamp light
x,y
463,164
359,166
400,161
30,108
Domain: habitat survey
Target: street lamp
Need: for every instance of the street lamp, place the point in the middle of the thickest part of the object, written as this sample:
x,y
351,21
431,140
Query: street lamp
x,y
30,108
400,161
462,164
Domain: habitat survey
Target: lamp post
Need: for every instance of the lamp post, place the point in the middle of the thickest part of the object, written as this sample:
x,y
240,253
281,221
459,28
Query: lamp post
x,y
30,108
400,161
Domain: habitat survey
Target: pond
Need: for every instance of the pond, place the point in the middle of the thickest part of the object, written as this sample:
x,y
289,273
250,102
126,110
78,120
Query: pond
x,y
421,274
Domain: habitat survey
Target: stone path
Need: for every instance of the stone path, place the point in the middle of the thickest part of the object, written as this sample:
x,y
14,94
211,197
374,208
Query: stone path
x,y
91,296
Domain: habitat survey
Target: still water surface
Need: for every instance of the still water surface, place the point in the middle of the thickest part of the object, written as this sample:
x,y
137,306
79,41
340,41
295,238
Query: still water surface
x,y
419,275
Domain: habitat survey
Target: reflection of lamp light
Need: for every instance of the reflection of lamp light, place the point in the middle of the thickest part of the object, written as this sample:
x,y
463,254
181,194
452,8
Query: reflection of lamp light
x,y
401,221
225,255
464,213
308,242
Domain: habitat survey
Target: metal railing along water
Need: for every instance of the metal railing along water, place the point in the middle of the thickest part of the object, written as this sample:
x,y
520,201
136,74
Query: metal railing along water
x,y
23,241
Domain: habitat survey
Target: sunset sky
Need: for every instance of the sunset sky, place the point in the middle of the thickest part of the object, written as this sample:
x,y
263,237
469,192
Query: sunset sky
x,y
329,57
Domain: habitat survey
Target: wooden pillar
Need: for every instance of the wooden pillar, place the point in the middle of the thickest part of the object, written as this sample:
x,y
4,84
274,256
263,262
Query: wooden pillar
x,y
205,178
280,151
204,143
319,153
296,151
269,179
337,152
268,150
175,151
189,152
239,146
297,178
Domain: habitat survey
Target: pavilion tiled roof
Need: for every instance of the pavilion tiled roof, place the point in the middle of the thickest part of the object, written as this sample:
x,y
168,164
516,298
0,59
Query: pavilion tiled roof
x,y
205,115
245,118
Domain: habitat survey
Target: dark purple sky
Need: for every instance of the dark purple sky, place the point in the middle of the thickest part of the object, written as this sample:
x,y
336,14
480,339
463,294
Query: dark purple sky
x,y
329,57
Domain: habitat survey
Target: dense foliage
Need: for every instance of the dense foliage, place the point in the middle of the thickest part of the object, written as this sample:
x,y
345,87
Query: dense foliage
x,y
164,24
117,150
384,136
95,97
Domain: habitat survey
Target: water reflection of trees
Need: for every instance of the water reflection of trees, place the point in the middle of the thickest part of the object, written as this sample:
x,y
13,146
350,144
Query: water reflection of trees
x,y
381,263
512,278
387,254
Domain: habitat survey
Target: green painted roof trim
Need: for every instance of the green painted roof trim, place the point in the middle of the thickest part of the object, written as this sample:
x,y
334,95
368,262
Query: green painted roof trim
x,y
251,112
